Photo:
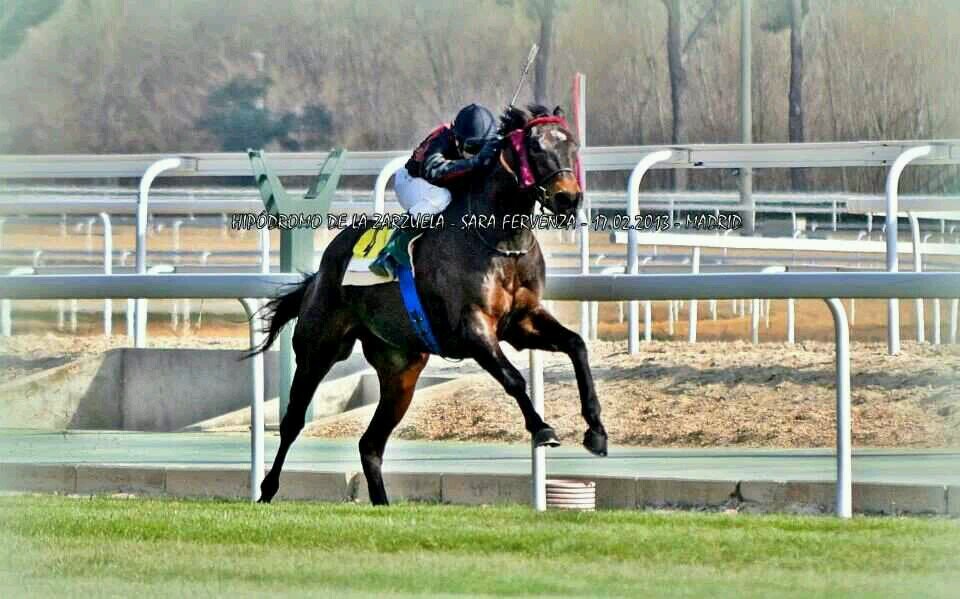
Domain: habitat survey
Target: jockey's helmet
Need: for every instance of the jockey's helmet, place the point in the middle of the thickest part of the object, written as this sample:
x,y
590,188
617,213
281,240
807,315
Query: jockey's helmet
x,y
473,127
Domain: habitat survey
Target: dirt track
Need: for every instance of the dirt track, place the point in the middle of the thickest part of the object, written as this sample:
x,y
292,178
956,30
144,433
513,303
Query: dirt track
x,y
709,395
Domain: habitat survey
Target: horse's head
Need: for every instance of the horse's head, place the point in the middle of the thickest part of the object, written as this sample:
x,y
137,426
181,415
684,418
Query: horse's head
x,y
541,153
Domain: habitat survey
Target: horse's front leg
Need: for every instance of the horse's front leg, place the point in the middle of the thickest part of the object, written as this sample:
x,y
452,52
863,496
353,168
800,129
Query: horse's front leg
x,y
480,333
538,329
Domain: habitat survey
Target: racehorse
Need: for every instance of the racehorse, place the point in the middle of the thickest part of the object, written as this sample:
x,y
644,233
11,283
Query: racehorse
x,y
478,286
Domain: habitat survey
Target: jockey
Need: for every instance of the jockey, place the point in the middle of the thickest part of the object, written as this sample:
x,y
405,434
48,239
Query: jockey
x,y
445,157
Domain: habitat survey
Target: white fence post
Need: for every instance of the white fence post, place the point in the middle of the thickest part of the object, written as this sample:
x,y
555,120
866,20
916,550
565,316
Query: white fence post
x,y
539,454
917,267
250,306
791,321
6,305
107,269
140,317
695,269
844,494
633,191
893,182
954,305
380,186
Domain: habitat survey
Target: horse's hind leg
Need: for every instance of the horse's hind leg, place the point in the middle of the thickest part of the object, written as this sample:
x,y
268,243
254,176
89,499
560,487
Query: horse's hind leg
x,y
538,329
314,360
397,371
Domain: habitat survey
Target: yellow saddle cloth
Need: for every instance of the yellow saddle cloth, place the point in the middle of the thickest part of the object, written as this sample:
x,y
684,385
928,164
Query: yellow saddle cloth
x,y
365,251
371,243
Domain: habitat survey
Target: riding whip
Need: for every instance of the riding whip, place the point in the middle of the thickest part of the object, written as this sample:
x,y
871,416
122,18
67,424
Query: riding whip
x,y
523,76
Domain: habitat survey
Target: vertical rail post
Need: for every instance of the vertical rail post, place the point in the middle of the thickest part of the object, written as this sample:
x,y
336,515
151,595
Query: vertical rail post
x,y
383,177
539,454
694,304
250,306
791,321
107,270
917,267
954,305
265,249
936,321
6,305
844,451
140,316
892,185
633,265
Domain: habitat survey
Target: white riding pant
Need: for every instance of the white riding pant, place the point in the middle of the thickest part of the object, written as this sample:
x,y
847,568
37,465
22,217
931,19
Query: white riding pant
x,y
417,196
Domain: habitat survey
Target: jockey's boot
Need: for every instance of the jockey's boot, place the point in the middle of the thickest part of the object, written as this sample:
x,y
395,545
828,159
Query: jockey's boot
x,y
394,253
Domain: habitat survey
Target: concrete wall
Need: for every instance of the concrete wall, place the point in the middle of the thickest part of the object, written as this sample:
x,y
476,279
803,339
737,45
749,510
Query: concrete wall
x,y
480,489
82,394
167,389
157,390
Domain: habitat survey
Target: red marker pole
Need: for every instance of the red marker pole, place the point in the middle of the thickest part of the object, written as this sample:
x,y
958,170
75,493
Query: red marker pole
x,y
578,103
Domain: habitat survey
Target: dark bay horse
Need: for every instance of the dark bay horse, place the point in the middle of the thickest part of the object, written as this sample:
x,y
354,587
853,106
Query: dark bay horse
x,y
478,286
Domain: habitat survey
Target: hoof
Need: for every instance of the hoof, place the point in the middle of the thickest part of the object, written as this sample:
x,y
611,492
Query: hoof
x,y
545,437
268,489
596,443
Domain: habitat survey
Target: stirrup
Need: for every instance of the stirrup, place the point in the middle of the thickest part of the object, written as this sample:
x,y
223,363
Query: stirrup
x,y
382,266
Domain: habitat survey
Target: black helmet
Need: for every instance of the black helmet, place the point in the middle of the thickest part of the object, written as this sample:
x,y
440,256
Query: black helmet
x,y
474,126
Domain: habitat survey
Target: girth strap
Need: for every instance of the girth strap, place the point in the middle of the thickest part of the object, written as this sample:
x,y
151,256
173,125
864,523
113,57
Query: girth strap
x,y
418,317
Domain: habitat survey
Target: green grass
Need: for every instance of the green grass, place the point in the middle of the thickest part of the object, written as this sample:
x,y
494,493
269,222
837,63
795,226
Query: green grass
x,y
55,546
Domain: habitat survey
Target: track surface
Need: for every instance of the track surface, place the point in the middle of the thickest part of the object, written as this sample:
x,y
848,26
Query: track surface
x,y
941,467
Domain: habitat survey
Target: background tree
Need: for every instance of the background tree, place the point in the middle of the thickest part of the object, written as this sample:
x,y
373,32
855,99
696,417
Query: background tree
x,y
544,14
781,15
237,117
678,46
17,17
315,128
109,76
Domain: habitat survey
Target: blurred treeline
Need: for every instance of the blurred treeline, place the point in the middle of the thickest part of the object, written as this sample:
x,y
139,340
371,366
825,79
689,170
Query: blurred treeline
x,y
115,76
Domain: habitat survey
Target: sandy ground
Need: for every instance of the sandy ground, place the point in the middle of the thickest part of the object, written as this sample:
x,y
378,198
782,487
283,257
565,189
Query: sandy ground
x,y
672,394
708,395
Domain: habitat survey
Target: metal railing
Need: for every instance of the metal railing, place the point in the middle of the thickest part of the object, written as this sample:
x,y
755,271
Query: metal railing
x,y
826,286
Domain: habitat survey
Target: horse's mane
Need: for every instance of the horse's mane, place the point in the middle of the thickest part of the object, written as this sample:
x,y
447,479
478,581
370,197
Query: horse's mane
x,y
514,118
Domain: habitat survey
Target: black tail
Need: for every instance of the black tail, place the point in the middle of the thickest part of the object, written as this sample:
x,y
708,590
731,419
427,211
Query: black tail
x,y
278,312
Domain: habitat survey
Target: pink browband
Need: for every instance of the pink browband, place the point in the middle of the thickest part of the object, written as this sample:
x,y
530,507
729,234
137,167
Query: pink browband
x,y
525,177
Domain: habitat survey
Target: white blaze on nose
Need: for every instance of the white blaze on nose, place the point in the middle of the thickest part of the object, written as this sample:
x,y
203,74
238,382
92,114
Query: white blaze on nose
x,y
559,136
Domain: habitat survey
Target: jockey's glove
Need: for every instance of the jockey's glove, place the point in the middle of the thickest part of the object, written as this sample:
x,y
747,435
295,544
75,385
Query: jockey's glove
x,y
488,153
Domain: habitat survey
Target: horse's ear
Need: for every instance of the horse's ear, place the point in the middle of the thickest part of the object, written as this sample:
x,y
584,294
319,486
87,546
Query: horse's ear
x,y
558,111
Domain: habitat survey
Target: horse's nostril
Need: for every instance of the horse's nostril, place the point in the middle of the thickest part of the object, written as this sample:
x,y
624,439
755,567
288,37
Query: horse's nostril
x,y
567,202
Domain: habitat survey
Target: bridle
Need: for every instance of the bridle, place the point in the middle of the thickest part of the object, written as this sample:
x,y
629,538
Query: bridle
x,y
525,180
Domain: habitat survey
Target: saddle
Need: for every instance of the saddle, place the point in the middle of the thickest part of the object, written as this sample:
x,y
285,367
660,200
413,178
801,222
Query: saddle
x,y
366,250
358,273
